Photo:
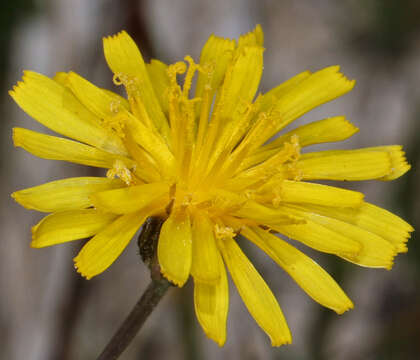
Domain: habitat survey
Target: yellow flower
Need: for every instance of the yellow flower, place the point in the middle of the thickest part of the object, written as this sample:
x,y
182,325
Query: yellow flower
x,y
205,165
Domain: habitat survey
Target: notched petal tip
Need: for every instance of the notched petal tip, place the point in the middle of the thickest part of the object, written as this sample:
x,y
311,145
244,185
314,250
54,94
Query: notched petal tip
x,y
399,164
391,262
77,266
219,341
174,280
336,69
287,340
348,306
34,244
16,137
120,34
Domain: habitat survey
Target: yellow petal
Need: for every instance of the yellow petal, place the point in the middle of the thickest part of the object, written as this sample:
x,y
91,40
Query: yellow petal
x,y
66,194
105,247
151,142
147,168
270,98
254,37
327,130
373,219
375,251
90,101
322,131
205,255
129,199
239,86
349,165
100,102
319,237
398,162
56,108
217,52
241,81
55,148
311,193
125,59
255,293
399,165
211,302
317,89
159,78
266,215
117,101
70,225
215,58
241,206
314,280
175,247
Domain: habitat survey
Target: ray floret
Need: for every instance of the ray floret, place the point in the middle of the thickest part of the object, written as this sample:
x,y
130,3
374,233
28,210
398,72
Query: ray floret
x,y
201,161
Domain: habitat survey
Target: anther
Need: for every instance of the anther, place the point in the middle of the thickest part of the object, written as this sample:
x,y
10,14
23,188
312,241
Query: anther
x,y
115,106
120,170
117,79
224,232
189,76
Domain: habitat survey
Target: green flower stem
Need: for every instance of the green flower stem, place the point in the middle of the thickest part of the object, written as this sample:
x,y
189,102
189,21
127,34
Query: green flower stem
x,y
147,303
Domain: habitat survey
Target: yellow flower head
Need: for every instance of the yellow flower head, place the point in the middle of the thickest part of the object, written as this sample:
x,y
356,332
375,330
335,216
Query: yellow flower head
x,y
203,163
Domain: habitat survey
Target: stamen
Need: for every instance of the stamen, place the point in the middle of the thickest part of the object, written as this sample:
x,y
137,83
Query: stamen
x,y
147,168
173,70
115,123
120,170
223,162
216,119
139,111
115,106
277,199
223,232
132,85
182,115
204,112
282,163
174,91
192,68
117,79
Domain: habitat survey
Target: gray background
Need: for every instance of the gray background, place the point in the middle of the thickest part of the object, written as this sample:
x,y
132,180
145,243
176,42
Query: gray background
x,y
48,312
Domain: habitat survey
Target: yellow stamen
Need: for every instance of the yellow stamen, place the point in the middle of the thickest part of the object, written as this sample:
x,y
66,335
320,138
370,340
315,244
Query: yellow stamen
x,y
121,171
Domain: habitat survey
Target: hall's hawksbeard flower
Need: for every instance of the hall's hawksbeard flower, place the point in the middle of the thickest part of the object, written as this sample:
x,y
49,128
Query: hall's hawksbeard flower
x,y
204,163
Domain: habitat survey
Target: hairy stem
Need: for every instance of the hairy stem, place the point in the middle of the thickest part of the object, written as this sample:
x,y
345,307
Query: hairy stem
x,y
134,321
157,288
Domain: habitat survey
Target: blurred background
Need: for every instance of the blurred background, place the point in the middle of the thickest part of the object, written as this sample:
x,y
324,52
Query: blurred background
x,y
48,312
